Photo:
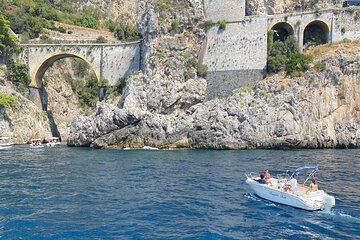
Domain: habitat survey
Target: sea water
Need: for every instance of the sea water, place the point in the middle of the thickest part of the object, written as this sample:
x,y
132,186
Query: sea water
x,y
82,193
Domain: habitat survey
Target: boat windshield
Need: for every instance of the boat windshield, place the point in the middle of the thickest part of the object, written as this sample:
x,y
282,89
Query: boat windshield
x,y
298,171
301,169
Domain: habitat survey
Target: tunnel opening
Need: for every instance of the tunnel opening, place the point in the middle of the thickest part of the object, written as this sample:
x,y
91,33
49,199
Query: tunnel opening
x,y
316,33
282,31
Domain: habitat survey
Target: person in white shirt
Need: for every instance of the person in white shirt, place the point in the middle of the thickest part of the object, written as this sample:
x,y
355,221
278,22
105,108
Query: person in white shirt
x,y
293,185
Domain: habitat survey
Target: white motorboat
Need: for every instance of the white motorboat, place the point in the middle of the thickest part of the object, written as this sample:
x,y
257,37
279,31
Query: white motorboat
x,y
53,142
302,197
36,143
6,143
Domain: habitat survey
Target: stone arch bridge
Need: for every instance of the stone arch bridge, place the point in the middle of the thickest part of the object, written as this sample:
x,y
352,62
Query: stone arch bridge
x,y
108,61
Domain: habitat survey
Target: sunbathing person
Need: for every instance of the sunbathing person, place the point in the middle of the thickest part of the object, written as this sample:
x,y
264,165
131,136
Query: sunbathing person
x,y
313,186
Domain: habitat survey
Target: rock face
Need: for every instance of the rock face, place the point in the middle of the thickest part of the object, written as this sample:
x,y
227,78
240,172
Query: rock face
x,y
272,7
319,110
23,122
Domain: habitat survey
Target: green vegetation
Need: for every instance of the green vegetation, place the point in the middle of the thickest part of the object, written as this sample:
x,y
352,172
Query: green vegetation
x,y
208,24
270,39
18,74
29,17
286,56
320,66
118,88
165,5
81,67
202,70
244,89
7,100
7,41
85,88
357,16
126,31
297,64
175,24
101,39
343,30
222,24
41,116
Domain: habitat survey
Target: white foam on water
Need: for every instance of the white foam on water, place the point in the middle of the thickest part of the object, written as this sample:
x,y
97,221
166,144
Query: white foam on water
x,y
252,196
334,212
270,204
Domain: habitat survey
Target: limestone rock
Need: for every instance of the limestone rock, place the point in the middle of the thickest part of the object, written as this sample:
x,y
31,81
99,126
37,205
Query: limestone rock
x,y
277,113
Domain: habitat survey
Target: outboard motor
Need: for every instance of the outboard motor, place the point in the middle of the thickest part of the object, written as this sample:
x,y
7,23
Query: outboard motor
x,y
328,203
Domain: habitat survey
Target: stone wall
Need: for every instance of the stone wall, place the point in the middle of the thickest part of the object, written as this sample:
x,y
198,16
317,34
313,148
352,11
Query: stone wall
x,y
235,56
229,10
120,62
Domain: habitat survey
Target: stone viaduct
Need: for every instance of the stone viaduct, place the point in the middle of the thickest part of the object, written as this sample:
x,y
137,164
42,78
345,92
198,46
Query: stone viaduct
x,y
237,55
108,61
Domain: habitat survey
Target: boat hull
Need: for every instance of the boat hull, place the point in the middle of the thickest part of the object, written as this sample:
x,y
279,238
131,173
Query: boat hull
x,y
311,202
6,146
36,146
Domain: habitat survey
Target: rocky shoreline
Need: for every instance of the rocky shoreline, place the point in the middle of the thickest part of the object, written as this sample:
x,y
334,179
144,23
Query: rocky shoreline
x,y
318,110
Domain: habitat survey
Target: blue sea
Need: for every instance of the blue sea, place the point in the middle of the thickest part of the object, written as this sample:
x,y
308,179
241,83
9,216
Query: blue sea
x,y
82,193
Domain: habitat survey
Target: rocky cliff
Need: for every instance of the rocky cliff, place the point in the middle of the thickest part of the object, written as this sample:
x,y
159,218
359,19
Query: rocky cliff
x,y
27,120
272,7
319,109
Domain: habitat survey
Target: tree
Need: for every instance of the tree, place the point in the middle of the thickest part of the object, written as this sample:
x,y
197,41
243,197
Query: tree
x,y
7,40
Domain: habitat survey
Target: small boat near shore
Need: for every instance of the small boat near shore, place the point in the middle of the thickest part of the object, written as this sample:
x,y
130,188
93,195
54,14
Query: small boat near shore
x,y
53,142
6,143
36,143
301,198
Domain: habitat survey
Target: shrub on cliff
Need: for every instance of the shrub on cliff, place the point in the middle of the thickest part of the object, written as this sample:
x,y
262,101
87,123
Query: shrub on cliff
x,y
86,89
208,24
126,32
286,56
101,39
7,100
222,24
175,24
7,41
18,74
297,63
202,70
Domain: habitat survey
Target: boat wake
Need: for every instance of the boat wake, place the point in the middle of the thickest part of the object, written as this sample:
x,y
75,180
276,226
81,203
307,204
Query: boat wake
x,y
338,213
252,196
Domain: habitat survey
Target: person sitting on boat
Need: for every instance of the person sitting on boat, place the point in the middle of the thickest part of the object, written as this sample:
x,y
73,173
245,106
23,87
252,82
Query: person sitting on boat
x,y
267,176
313,186
262,179
293,185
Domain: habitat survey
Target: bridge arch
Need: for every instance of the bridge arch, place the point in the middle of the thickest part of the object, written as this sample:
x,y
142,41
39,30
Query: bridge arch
x,y
39,70
316,32
282,31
